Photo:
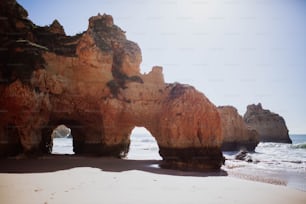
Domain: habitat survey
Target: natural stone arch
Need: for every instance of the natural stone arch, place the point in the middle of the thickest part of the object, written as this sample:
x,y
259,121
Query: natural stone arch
x,y
93,85
77,132
184,123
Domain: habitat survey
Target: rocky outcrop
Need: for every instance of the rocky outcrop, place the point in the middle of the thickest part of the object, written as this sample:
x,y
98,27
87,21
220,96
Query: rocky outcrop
x,y
271,127
236,134
92,84
61,131
57,28
243,155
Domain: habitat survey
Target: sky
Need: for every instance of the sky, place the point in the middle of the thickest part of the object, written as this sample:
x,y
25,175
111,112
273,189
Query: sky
x,y
237,52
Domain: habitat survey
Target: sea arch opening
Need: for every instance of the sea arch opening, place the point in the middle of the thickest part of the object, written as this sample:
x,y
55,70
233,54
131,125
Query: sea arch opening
x,y
62,140
75,135
143,146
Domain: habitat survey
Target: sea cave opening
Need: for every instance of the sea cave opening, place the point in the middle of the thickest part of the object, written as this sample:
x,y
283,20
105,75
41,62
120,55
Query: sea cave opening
x,y
143,145
62,140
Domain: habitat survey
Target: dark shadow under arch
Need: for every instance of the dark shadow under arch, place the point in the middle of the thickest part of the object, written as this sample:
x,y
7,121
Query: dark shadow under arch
x,y
55,163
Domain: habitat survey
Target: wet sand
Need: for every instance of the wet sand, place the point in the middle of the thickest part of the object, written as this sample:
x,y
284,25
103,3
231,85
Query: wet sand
x,y
73,179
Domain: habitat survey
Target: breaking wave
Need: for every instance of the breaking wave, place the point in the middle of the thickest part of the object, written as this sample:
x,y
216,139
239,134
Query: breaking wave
x,y
299,146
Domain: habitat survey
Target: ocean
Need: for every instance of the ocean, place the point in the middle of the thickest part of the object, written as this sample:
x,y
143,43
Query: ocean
x,y
279,161
285,162
279,156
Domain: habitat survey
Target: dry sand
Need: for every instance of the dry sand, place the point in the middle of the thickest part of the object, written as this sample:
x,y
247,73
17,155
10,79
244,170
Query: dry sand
x,y
107,180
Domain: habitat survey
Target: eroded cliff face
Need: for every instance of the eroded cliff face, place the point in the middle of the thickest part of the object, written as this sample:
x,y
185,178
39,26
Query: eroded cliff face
x,y
271,127
236,134
92,83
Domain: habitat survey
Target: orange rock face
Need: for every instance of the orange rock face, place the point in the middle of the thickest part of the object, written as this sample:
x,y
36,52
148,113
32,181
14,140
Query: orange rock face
x,y
236,134
92,83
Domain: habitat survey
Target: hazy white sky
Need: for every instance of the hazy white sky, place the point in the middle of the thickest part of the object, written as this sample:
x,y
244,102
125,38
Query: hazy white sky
x,y
236,52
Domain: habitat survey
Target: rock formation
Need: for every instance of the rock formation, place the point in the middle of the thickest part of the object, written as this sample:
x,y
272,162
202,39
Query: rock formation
x,y
236,134
270,126
243,155
61,131
91,82
57,28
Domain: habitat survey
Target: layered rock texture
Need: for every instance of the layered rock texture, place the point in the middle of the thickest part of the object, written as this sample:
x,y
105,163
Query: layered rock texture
x,y
236,134
91,83
271,127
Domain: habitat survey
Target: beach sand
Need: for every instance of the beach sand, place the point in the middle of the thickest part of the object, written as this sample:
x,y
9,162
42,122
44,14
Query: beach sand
x,y
73,179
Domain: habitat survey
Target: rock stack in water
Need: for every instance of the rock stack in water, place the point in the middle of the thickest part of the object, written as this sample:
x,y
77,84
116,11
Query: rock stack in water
x,y
91,83
236,134
271,127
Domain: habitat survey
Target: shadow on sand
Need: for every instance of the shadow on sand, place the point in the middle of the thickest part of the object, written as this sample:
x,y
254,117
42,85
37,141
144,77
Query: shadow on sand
x,y
53,163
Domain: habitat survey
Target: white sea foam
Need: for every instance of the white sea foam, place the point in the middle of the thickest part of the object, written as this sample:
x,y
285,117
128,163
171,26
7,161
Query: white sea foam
x,y
285,161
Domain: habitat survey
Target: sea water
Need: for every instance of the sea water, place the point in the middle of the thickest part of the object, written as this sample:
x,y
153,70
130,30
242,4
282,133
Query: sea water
x,y
279,156
283,156
143,147
279,160
286,162
62,145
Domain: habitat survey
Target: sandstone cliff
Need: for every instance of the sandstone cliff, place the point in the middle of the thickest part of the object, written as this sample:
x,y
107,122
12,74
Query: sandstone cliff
x,y
236,134
270,126
92,83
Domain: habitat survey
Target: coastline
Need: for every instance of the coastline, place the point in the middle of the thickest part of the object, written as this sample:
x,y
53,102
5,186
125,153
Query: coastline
x,y
290,179
67,179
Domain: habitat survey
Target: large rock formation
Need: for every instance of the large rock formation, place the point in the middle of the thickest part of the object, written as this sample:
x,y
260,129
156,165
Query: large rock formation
x,y
92,83
61,131
270,126
236,134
